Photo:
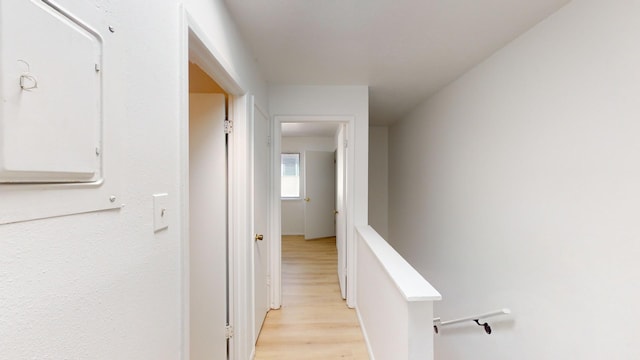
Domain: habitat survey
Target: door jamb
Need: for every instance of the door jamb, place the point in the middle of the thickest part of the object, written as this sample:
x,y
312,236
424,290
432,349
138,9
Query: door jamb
x,y
196,46
276,208
256,107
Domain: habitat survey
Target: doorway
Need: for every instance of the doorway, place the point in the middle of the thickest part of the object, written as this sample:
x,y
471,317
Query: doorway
x,y
312,194
229,273
307,179
208,218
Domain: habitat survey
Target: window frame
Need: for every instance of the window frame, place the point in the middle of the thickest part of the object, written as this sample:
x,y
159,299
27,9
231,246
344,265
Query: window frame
x,y
299,175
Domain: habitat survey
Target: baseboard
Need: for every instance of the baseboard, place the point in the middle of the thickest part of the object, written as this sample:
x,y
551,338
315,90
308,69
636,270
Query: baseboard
x,y
364,334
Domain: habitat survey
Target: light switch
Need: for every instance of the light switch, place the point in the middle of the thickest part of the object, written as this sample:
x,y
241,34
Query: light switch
x,y
160,212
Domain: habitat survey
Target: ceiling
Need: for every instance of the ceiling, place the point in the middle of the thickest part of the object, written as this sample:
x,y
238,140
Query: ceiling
x,y
404,50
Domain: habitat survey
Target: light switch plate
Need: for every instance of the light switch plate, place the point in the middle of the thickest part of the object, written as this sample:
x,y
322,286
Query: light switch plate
x,y
160,212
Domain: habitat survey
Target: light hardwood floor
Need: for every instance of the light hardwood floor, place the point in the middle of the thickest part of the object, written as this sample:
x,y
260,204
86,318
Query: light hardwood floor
x,y
314,322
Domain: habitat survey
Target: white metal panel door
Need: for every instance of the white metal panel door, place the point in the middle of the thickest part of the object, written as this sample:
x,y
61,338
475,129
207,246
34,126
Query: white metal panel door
x,y
207,227
319,218
341,210
50,100
261,182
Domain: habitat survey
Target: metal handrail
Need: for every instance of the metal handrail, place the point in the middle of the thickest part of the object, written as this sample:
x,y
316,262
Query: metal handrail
x,y
475,318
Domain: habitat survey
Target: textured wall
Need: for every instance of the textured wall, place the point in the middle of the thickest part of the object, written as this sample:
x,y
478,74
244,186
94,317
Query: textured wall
x,y
103,285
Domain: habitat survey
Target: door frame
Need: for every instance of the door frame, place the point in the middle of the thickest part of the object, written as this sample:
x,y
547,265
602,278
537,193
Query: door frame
x,y
196,46
276,209
254,107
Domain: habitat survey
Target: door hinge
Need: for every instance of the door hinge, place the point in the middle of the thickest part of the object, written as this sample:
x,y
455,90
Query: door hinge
x,y
228,332
346,143
268,280
268,140
228,126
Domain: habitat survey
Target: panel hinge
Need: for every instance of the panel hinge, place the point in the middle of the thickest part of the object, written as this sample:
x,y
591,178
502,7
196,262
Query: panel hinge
x,y
228,332
228,126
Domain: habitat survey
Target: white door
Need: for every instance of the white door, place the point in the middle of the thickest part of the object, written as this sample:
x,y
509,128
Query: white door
x,y
319,177
261,181
341,210
207,227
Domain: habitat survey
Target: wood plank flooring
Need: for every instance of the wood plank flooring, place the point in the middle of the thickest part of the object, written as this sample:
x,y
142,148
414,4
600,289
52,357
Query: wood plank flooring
x,y
314,321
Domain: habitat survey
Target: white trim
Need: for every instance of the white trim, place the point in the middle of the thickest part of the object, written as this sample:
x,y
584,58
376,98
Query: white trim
x,y
183,179
300,174
242,308
208,58
196,46
252,106
252,206
409,283
314,118
364,334
276,229
275,247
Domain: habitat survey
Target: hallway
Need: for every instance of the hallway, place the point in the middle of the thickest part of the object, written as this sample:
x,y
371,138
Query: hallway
x,y
314,322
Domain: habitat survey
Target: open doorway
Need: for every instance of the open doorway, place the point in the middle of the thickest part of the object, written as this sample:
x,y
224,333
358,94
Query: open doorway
x,y
213,202
308,183
312,184
208,217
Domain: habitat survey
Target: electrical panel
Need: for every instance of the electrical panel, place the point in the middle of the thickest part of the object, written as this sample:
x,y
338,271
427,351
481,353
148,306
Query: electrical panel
x,y
50,95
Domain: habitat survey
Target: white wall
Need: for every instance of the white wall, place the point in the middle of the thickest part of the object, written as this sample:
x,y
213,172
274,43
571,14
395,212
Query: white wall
x,y
517,186
348,101
103,285
293,217
293,209
379,179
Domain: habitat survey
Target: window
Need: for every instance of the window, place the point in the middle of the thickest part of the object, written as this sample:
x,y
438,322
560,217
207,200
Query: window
x,y
290,175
